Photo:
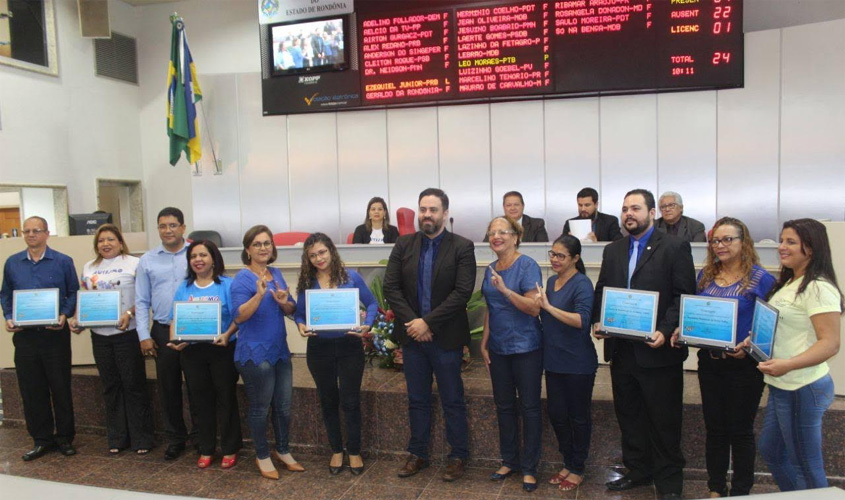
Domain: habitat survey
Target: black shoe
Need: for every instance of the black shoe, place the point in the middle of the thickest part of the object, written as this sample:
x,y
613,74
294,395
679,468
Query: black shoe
x,y
173,451
67,449
335,470
670,496
529,487
37,452
501,477
625,483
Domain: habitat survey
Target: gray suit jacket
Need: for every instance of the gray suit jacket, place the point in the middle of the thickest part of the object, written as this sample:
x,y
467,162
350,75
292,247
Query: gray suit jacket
x,y
689,229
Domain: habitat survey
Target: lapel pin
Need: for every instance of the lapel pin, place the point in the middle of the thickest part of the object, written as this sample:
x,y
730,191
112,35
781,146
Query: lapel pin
x,y
648,248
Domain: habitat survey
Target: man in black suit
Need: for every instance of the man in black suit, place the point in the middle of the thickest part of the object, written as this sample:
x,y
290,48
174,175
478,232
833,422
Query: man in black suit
x,y
533,228
647,378
673,220
429,280
605,227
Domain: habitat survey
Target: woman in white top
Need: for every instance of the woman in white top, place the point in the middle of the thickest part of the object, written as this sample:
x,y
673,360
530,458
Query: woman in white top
x,y
810,307
116,349
376,229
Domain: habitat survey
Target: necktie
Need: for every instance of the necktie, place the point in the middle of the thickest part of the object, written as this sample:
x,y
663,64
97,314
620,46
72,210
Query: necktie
x,y
632,263
425,300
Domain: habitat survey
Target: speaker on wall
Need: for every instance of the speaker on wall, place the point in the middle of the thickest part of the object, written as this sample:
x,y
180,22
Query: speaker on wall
x,y
94,18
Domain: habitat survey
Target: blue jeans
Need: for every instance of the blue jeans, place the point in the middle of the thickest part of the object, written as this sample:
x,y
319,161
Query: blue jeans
x,y
518,374
791,439
422,360
268,386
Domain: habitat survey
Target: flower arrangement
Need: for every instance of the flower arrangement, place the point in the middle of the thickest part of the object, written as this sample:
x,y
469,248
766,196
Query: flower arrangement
x,y
378,342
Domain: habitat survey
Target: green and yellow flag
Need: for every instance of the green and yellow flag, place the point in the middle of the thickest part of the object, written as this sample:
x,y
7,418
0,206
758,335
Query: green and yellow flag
x,y
183,92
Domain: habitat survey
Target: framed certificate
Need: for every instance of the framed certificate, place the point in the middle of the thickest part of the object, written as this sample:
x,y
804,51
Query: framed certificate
x,y
98,307
196,321
764,324
708,322
332,309
37,307
628,313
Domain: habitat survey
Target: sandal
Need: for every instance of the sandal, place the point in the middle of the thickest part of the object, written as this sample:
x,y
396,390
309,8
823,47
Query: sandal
x,y
115,451
142,451
567,485
229,461
558,478
204,461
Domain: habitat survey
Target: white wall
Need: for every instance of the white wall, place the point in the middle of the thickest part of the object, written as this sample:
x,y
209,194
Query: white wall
x,y
71,129
760,153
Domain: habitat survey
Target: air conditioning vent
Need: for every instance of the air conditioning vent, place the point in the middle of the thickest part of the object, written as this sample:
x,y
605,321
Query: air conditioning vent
x,y
117,57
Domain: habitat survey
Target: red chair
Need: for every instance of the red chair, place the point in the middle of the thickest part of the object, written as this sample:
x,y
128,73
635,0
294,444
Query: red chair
x,y
350,238
290,238
405,221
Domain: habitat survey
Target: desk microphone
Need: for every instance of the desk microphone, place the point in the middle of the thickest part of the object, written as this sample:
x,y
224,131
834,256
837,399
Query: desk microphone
x,y
451,224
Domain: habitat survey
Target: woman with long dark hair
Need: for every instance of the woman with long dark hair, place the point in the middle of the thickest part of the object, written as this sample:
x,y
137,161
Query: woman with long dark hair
x,y
810,307
210,367
376,228
335,358
569,358
731,386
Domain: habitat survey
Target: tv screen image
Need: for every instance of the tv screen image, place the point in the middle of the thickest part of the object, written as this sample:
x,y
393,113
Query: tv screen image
x,y
81,224
314,45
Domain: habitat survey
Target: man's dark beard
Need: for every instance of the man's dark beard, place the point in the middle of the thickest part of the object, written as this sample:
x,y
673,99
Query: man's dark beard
x,y
640,229
434,227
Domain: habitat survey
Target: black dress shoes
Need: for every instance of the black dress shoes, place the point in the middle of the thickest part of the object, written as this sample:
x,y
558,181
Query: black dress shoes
x,y
36,453
626,483
67,449
173,451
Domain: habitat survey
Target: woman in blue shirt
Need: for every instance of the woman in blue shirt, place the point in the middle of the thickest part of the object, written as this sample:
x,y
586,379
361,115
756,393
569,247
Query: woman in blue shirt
x,y
731,385
261,298
210,368
512,349
335,357
569,357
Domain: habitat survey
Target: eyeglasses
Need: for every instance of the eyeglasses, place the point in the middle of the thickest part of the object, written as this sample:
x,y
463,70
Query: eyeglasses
x,y
319,253
491,234
726,241
35,232
558,256
259,244
171,226
668,206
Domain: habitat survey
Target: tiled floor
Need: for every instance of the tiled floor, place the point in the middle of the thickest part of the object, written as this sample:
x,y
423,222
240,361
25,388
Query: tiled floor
x,y
93,466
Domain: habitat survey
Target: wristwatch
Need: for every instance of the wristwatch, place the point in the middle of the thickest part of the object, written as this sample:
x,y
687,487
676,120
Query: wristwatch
x,y
129,312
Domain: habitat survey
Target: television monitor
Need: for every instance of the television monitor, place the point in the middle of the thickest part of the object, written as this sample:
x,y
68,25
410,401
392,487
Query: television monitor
x,y
87,223
308,46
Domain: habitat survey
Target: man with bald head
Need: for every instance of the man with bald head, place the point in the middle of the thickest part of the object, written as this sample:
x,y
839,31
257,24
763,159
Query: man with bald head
x,y
42,353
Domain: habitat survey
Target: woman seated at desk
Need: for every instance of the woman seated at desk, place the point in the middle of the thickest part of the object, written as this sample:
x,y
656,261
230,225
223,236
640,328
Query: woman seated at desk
x,y
376,229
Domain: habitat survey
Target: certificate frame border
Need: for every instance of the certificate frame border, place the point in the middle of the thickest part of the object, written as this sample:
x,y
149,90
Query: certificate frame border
x,y
703,342
624,332
343,326
36,322
753,350
196,338
95,324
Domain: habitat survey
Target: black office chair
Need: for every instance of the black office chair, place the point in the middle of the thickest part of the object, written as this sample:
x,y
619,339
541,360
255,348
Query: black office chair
x,y
212,236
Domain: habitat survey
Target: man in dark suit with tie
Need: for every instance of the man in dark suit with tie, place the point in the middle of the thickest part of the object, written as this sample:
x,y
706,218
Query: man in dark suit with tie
x,y
647,377
429,280
533,228
604,227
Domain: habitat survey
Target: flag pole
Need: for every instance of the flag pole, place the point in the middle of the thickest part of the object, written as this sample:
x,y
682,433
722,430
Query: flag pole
x,y
218,164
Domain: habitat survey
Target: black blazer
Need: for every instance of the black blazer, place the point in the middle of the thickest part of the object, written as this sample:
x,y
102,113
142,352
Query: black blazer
x,y
533,230
453,280
665,267
689,229
607,227
362,235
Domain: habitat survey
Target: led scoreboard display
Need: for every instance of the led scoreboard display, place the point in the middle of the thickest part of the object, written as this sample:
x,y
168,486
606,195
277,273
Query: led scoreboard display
x,y
413,52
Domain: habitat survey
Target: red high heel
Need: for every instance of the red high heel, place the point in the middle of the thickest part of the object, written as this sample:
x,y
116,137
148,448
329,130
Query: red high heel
x,y
229,461
204,461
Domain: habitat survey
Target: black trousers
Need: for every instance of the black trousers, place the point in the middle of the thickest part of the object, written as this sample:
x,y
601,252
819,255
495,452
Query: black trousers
x,y
570,403
169,375
649,409
129,415
730,396
42,362
337,365
212,384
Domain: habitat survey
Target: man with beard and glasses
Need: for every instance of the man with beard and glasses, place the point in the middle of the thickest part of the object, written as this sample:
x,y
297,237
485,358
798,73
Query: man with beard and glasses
x,y
605,227
429,279
647,377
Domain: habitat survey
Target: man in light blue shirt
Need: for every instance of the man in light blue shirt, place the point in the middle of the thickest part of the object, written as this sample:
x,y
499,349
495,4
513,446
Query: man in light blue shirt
x,y
159,274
